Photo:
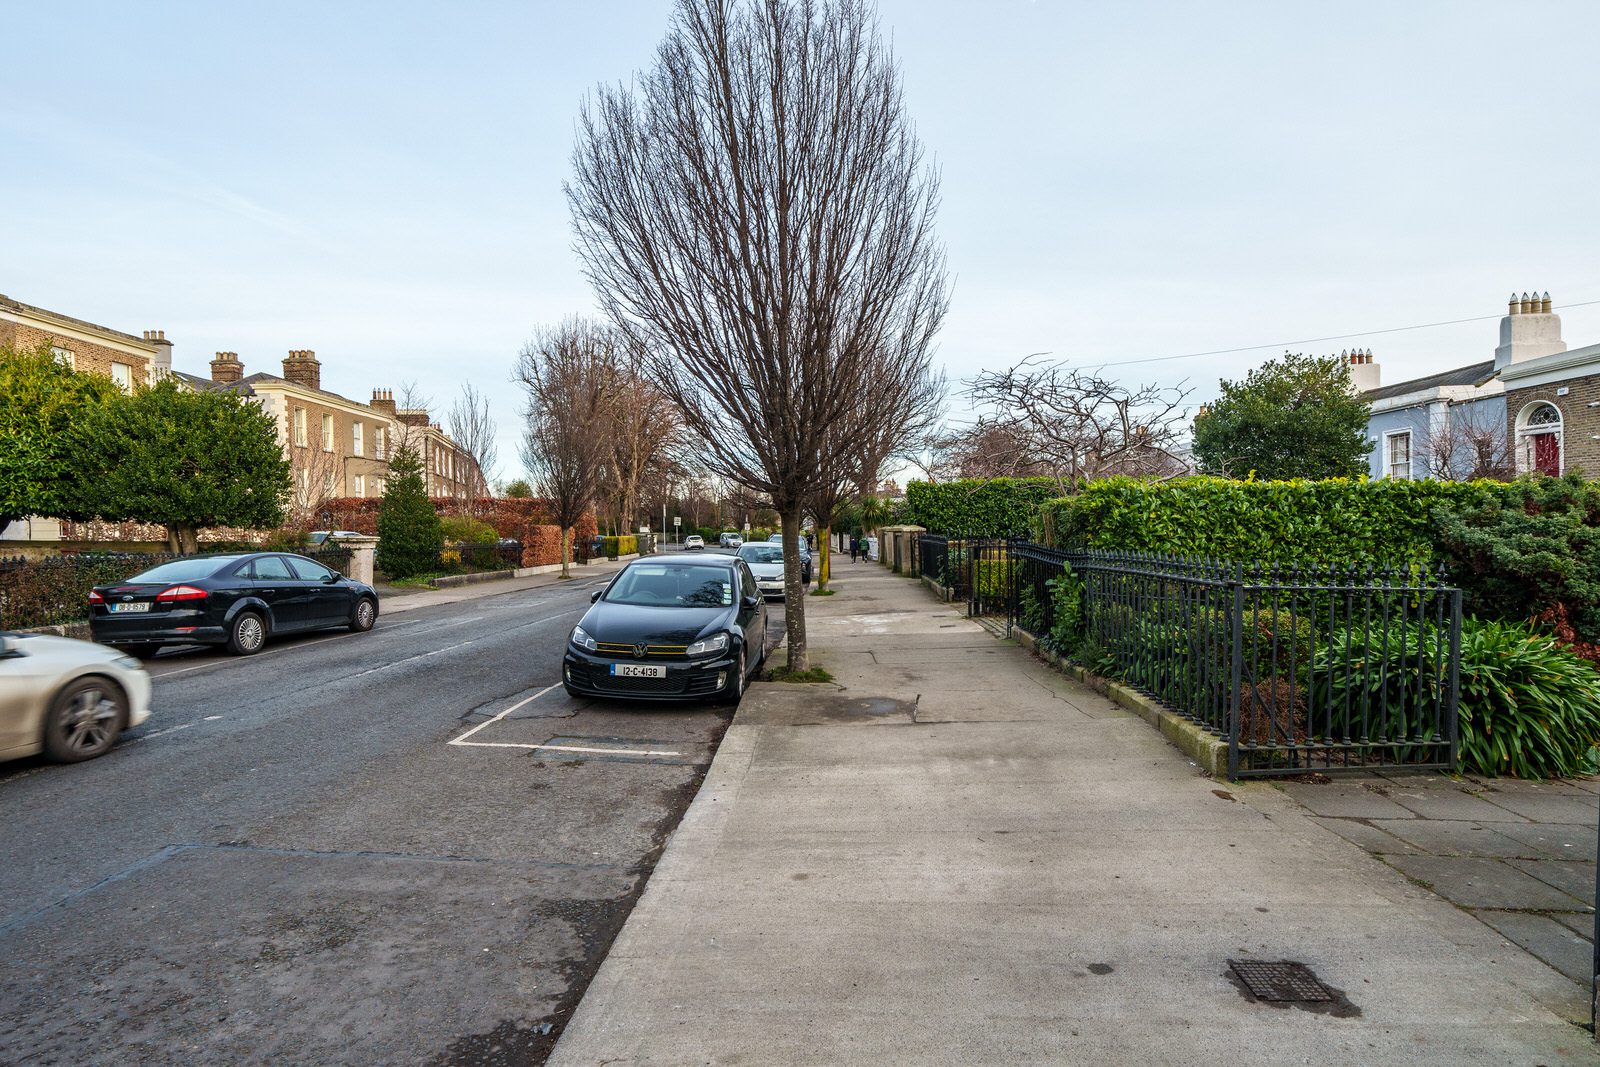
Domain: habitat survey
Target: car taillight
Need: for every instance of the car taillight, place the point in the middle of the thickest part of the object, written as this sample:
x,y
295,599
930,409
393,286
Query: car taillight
x,y
95,597
180,592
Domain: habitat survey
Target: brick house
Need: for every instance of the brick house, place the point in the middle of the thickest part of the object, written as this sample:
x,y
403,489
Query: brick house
x,y
1535,406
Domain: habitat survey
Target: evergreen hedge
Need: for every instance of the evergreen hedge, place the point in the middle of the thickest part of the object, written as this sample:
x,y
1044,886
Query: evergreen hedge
x,y
994,507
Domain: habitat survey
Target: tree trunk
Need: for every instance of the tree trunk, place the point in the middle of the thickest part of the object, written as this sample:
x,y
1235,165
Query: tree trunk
x,y
825,563
566,551
183,538
794,594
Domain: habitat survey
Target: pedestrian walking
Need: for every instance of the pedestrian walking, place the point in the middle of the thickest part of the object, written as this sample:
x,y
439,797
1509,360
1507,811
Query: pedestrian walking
x,y
852,548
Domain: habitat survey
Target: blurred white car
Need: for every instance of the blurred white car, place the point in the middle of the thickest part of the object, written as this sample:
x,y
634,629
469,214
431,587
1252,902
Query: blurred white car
x,y
693,541
68,699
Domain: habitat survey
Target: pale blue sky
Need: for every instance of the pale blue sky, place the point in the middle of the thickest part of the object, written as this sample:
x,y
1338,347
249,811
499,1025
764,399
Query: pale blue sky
x,y
382,182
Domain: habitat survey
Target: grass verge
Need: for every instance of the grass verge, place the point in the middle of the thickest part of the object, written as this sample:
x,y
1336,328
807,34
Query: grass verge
x,y
784,674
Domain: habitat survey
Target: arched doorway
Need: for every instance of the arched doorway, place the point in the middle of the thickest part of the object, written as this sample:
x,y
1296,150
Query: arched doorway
x,y
1539,439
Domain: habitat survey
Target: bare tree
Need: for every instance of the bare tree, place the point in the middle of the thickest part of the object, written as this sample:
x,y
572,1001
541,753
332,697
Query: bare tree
x,y
1468,445
472,428
1072,425
757,214
316,479
565,371
643,428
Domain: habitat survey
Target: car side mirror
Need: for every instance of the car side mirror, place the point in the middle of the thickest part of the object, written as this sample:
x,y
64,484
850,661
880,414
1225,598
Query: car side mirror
x,y
333,579
752,601
8,647
594,597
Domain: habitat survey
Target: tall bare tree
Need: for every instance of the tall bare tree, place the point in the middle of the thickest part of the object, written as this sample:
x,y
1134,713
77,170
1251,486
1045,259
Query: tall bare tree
x,y
1468,445
1070,424
565,371
757,213
473,430
643,427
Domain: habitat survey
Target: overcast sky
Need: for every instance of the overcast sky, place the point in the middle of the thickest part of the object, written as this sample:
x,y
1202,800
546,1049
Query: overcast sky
x,y
382,182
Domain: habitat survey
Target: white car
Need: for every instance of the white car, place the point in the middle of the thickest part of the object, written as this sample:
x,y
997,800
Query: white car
x,y
68,699
729,539
693,541
766,563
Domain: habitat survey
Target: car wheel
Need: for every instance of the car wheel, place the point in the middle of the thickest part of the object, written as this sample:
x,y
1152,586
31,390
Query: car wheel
x,y
142,651
84,720
247,634
365,615
735,693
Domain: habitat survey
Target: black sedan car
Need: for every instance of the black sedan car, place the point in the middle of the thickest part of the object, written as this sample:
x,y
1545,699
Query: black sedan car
x,y
235,600
670,628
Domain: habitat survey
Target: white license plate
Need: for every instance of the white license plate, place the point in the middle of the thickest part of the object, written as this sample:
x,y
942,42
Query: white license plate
x,y
129,609
637,670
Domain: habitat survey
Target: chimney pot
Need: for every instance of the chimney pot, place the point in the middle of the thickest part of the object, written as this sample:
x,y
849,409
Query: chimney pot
x,y
1544,304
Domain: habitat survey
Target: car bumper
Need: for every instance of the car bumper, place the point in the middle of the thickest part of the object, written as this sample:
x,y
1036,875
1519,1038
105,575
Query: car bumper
x,y
171,629
685,679
137,685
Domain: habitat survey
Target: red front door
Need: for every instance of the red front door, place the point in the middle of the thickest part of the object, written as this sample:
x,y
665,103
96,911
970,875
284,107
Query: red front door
x,y
1547,454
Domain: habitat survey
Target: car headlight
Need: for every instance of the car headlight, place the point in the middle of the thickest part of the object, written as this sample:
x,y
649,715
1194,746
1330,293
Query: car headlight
x,y
129,662
583,640
709,644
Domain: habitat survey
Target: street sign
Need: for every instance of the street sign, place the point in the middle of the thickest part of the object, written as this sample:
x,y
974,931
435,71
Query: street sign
x,y
644,529
677,520
747,527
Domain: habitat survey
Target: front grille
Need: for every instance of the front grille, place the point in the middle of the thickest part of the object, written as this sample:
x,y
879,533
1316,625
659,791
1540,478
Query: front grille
x,y
607,684
607,648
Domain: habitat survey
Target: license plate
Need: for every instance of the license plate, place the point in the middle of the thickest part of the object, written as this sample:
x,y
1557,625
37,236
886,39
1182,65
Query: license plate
x,y
637,670
126,609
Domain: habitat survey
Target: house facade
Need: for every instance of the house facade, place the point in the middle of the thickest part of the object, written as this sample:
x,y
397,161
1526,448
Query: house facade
x,y
1535,406
85,346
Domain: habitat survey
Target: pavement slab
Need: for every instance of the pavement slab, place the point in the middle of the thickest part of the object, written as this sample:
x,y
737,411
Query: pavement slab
x,y
1474,882
1547,938
1051,884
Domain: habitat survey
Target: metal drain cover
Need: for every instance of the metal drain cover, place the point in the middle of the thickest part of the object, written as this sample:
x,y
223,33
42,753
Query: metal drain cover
x,y
1280,980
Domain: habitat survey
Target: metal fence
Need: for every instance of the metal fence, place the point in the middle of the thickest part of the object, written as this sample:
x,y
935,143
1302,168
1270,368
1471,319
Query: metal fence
x,y
481,557
1298,669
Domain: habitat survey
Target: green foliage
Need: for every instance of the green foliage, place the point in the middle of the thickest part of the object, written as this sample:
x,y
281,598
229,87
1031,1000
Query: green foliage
x,y
461,530
409,532
41,400
518,489
1518,549
186,459
1294,417
45,592
1529,708
992,507
1335,521
612,547
1066,596
1030,610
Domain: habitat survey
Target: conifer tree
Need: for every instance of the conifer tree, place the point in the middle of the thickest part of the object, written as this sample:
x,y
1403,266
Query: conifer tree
x,y
409,533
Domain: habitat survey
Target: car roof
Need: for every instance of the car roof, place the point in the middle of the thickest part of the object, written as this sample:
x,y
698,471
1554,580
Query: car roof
x,y
698,560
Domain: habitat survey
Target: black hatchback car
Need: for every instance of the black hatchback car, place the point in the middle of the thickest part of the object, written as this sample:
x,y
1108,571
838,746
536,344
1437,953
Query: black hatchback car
x,y
235,600
670,628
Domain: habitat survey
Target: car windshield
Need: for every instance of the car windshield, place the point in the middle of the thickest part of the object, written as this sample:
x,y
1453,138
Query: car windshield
x,y
673,586
185,570
762,553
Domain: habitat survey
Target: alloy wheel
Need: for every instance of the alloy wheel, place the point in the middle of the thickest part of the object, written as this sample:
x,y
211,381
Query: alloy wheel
x,y
90,721
251,632
364,615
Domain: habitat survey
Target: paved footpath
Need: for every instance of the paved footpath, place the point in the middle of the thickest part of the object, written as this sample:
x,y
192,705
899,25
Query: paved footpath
x,y
956,855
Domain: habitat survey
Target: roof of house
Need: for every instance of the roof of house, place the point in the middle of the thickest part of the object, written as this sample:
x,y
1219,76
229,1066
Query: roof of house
x,y
29,309
1475,374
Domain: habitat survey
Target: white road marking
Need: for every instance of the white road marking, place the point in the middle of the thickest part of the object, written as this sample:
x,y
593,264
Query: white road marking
x,y
159,733
524,702
463,644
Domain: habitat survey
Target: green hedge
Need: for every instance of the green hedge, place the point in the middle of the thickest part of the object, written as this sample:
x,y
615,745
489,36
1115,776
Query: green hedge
x,y
1336,521
990,507
612,547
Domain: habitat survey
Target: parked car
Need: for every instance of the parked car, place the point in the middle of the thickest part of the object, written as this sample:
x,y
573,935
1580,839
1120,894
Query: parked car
x,y
670,628
729,539
322,537
805,555
68,699
765,560
233,600
693,541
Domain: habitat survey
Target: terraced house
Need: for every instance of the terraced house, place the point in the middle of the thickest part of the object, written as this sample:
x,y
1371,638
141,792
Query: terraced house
x,y
1533,406
336,446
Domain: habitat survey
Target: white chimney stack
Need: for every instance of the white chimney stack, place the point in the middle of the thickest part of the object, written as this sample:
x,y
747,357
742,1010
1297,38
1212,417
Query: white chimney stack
x,y
1363,371
1528,331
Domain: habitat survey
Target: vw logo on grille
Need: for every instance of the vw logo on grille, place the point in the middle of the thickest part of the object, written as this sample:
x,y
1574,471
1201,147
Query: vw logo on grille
x,y
638,650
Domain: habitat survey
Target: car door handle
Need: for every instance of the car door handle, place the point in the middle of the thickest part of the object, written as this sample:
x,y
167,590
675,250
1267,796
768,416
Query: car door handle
x,y
266,590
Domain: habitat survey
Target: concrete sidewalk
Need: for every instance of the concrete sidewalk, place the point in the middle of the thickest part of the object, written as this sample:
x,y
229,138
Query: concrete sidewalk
x,y
393,601
958,856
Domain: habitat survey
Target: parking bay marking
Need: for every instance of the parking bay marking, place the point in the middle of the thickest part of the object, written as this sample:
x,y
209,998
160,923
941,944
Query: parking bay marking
x,y
462,740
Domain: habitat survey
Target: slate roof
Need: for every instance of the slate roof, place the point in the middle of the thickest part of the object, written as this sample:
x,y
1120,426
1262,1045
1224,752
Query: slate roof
x,y
1475,374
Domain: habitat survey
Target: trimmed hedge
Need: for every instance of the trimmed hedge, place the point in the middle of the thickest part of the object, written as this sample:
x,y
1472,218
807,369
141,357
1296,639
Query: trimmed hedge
x,y
1335,521
992,507
612,547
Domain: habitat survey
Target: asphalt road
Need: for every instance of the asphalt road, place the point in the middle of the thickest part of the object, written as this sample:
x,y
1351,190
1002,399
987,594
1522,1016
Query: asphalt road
x,y
291,863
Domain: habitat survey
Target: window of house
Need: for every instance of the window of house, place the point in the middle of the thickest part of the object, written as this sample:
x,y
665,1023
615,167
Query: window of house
x,y
65,357
1397,449
355,439
327,433
360,485
122,375
377,485
379,442
300,427
304,478
327,482
1539,439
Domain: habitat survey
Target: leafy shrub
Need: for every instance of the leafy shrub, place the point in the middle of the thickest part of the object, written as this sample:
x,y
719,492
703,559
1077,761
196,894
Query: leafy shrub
x,y
542,546
1066,597
612,547
1337,521
993,507
1517,550
1528,709
46,592
1030,611
460,530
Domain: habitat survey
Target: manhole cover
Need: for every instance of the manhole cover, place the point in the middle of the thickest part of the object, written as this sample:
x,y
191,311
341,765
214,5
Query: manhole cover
x,y
1280,980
